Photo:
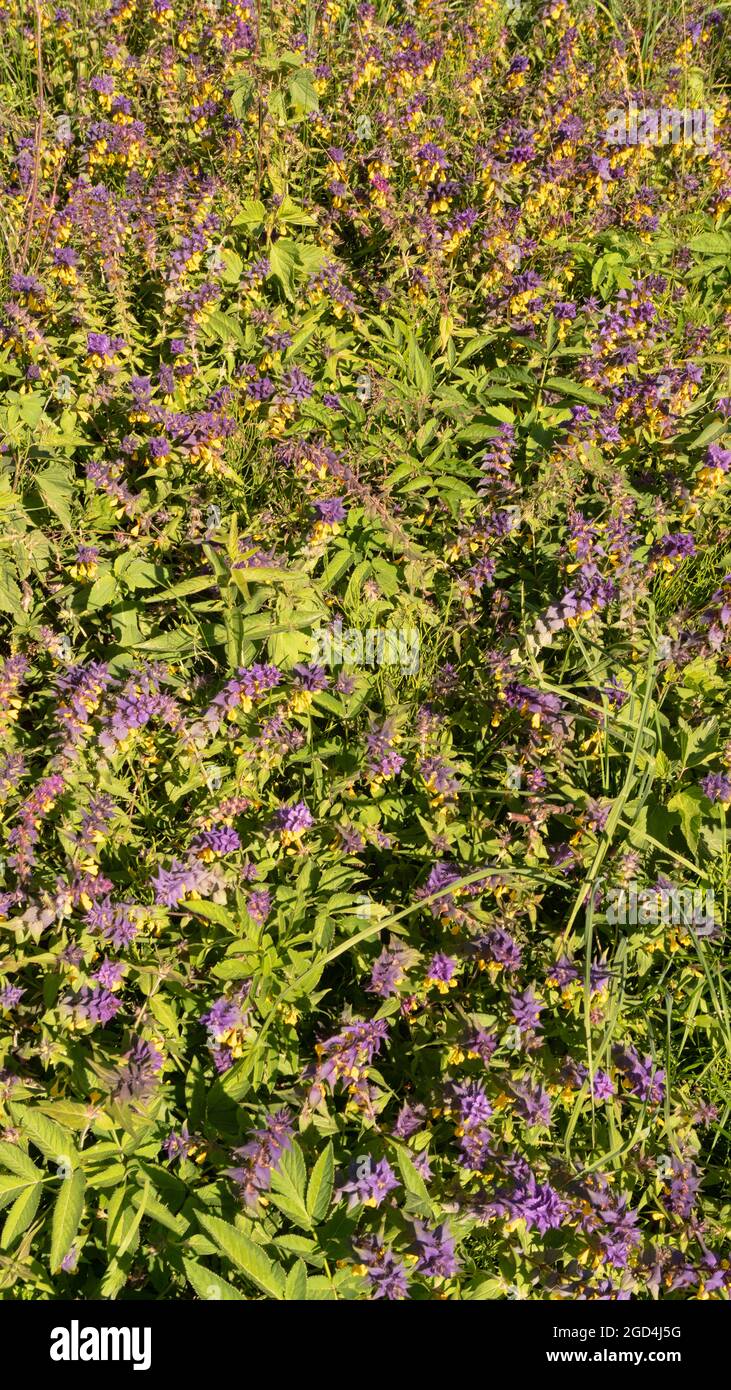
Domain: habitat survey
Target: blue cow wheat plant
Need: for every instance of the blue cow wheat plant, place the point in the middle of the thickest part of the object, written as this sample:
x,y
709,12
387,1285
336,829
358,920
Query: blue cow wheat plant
x,y
365,607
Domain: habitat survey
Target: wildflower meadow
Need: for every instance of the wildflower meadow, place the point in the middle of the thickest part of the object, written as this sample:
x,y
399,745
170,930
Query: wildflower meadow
x,y
365,608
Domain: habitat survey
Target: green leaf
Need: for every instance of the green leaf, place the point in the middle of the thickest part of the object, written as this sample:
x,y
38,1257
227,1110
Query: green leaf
x,y
66,1217
706,436
288,1182
11,1187
73,1115
563,386
234,1084
10,592
266,574
387,575
21,1214
420,369
53,1141
295,1289
157,1210
476,432
310,258
248,1257
241,97
290,212
320,1186
283,260
232,266
213,912
493,1288
712,244
412,1179
31,408
292,1170
302,93
102,592
232,969
688,805
56,488
13,1158
222,326
211,1286
195,585
126,1211
320,1289
250,214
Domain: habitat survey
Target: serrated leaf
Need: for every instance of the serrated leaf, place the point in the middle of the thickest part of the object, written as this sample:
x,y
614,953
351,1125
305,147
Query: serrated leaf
x,y
196,585
157,1210
241,97
292,1169
420,369
289,211
248,1257
232,266
712,244
688,806
283,260
210,1286
320,1289
302,93
320,1186
564,386
102,592
232,970
32,407
13,1158
67,1214
251,212
73,1115
493,1288
213,912
298,1245
707,435
10,592
411,1177
124,1220
12,1187
21,1214
56,489
288,1181
53,1141
295,1289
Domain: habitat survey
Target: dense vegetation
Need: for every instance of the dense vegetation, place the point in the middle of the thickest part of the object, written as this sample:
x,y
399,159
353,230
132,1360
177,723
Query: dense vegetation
x,y
365,595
